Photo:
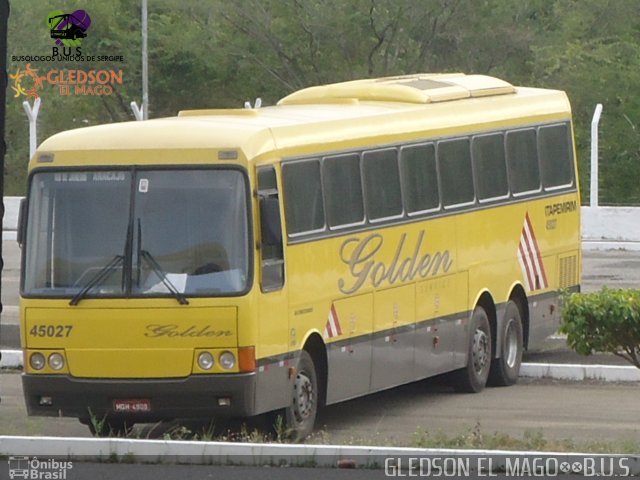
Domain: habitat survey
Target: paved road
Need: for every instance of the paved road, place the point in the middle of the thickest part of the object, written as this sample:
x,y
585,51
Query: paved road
x,y
581,411
100,471
109,471
9,319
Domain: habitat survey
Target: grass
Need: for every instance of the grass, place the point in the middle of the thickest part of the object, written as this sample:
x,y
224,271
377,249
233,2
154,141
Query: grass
x,y
240,432
531,440
473,437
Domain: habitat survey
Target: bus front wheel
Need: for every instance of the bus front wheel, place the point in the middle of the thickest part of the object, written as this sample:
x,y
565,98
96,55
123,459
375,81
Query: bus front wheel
x,y
300,415
505,370
473,377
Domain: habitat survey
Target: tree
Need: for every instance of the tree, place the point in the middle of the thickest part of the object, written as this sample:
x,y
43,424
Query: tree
x,y
218,54
592,50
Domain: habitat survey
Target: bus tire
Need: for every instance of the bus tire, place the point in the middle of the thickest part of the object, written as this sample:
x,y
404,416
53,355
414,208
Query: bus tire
x,y
473,377
301,413
505,370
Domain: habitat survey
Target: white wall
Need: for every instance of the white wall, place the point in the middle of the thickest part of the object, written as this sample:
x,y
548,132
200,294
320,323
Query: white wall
x,y
11,211
606,228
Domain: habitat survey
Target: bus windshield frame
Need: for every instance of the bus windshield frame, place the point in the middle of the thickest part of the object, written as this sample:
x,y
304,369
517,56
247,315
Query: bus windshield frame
x,y
133,232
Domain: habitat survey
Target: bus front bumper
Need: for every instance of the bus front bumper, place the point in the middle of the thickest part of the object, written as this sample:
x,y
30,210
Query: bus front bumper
x,y
141,400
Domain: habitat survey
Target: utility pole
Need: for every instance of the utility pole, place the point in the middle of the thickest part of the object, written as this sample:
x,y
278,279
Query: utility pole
x,y
593,191
145,64
4,25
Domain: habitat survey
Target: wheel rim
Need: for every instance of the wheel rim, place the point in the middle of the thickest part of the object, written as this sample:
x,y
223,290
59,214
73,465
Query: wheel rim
x,y
302,397
480,351
511,344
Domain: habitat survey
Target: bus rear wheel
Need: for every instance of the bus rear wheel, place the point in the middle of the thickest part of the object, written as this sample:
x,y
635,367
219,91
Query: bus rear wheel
x,y
301,413
505,370
473,377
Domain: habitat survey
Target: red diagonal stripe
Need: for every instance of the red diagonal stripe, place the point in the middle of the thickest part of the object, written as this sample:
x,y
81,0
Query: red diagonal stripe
x,y
536,251
336,321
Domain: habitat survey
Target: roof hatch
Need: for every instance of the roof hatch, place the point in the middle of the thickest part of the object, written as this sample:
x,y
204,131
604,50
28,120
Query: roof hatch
x,y
418,88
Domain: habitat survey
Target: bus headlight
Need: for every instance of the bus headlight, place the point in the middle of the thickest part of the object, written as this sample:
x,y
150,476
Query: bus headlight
x,y
205,360
56,361
227,360
37,361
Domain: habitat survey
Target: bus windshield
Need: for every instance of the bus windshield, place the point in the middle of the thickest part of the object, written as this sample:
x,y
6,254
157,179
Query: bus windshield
x,y
126,233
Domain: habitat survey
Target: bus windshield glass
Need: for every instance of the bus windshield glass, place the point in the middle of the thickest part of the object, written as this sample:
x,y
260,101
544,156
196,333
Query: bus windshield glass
x,y
137,233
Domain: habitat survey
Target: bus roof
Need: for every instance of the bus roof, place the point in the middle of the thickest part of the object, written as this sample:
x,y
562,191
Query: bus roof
x,y
330,117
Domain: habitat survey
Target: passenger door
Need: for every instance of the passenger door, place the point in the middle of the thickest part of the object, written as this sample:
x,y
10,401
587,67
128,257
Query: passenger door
x,y
273,300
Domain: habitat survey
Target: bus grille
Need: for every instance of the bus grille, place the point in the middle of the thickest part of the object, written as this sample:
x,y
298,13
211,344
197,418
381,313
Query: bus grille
x,y
568,271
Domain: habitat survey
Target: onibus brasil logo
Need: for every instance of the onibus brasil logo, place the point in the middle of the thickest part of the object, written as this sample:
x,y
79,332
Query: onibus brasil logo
x,y
34,469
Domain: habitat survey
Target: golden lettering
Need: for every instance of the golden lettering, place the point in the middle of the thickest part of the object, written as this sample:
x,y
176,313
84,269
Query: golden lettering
x,y
359,254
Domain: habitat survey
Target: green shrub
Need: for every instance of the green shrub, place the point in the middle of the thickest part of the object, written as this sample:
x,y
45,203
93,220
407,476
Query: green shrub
x,y
604,321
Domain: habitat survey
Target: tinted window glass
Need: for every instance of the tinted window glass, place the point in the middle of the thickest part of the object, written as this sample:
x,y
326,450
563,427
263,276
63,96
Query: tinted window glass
x,y
522,158
490,166
303,196
191,226
267,179
454,160
420,178
555,155
382,184
155,232
343,190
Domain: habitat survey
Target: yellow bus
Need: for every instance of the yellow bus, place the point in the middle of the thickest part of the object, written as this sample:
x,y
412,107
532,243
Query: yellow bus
x,y
352,238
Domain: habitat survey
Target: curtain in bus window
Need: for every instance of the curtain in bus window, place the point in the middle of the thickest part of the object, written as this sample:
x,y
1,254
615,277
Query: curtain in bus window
x,y
490,166
454,160
420,178
382,184
303,196
522,158
554,146
343,190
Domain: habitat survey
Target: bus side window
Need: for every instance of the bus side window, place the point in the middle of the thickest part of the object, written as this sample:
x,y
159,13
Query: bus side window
x,y
271,250
522,161
456,177
554,149
490,166
302,188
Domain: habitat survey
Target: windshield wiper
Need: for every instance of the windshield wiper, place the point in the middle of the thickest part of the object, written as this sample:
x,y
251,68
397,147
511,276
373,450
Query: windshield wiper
x,y
157,269
98,278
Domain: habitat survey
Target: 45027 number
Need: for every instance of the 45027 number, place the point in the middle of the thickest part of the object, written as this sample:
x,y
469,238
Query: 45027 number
x,y
58,331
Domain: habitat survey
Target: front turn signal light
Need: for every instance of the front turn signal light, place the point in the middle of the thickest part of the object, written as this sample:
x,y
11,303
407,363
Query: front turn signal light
x,y
247,359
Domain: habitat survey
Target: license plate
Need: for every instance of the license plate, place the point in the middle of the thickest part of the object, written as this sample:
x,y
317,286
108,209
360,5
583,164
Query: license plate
x,y
132,405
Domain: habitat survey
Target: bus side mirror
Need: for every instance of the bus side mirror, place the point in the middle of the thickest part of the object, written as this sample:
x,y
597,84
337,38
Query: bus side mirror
x,y
22,218
270,222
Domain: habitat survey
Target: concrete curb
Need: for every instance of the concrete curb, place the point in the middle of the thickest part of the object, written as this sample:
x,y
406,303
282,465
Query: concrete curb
x,y
593,245
331,456
557,371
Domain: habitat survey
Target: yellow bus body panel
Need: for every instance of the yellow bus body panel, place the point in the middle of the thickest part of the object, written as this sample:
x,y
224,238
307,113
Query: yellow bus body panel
x,y
356,291
137,341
